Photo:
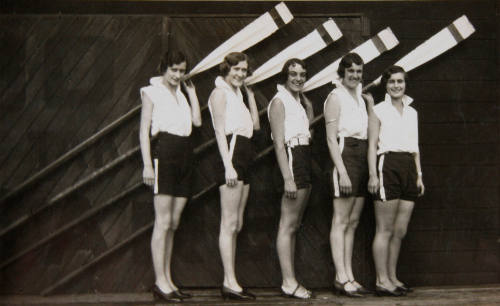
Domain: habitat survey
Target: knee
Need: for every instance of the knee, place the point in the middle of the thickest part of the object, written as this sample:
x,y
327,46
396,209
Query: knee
x,y
163,223
353,223
340,224
289,228
400,232
230,226
240,226
383,232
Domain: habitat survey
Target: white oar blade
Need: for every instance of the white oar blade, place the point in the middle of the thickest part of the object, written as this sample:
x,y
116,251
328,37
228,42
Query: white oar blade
x,y
370,49
250,35
318,39
436,45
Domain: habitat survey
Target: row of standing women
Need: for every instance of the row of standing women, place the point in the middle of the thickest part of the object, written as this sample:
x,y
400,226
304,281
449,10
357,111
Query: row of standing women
x,y
374,149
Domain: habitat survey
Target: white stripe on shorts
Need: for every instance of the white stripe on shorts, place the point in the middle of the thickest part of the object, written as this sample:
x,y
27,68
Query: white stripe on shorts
x,y
290,160
336,187
231,146
156,176
381,177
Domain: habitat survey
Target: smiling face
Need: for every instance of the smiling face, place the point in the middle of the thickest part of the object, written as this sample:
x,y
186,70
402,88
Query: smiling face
x,y
173,75
353,76
396,85
237,74
296,78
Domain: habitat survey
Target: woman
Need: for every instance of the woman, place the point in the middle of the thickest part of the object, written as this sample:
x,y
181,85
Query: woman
x,y
233,124
290,132
395,178
168,115
346,122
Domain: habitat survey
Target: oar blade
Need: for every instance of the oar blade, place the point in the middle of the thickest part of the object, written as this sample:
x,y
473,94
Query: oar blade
x,y
325,34
385,40
256,31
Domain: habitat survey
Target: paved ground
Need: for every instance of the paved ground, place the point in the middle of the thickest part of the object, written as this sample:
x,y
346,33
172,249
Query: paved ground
x,y
486,295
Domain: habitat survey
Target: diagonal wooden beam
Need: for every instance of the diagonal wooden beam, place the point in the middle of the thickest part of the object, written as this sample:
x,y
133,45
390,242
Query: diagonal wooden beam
x,y
144,230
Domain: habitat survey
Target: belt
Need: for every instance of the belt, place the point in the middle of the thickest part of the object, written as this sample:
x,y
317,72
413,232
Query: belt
x,y
298,141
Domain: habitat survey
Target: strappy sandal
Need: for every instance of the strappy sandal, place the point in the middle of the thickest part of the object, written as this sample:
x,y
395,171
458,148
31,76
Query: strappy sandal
x,y
294,295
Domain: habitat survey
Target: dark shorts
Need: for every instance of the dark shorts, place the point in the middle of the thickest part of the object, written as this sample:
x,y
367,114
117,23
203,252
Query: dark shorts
x,y
173,164
243,156
354,157
398,176
299,160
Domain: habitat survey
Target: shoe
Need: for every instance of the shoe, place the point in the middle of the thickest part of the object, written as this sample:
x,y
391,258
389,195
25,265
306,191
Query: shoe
x,y
294,295
340,289
360,288
167,297
381,291
182,295
404,288
229,294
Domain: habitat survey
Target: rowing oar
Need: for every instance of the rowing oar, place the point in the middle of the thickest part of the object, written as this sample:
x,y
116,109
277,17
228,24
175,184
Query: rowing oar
x,y
322,36
257,30
441,42
370,49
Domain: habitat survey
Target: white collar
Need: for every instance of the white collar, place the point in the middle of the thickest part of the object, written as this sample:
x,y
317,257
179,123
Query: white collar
x,y
158,82
221,83
407,100
282,89
338,82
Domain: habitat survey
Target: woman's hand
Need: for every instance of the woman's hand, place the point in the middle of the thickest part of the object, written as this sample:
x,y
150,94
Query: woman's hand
x,y
345,184
231,177
420,186
290,189
148,175
373,184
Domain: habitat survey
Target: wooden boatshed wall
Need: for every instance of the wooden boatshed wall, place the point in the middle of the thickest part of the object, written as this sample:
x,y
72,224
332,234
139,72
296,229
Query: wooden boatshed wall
x,y
71,69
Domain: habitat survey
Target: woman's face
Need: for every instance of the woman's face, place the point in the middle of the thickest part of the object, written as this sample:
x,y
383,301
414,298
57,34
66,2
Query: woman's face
x,y
174,73
296,78
237,74
396,85
353,76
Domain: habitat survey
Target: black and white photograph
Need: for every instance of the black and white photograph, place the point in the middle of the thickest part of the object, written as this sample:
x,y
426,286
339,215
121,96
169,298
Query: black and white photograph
x,y
324,152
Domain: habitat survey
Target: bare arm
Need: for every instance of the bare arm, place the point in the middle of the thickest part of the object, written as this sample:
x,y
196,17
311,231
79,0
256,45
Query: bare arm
x,y
420,182
145,125
195,105
254,111
373,134
218,104
332,115
277,120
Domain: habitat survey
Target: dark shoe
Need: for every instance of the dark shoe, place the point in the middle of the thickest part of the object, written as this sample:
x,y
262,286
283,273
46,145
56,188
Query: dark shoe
x,y
340,289
167,297
182,295
236,295
360,288
404,288
381,291
294,295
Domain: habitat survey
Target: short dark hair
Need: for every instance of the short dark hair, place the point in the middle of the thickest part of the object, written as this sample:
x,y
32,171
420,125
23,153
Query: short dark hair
x,y
171,58
347,61
390,71
232,59
283,76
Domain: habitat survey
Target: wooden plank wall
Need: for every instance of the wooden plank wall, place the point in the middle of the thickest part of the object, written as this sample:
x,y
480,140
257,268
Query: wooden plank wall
x,y
66,76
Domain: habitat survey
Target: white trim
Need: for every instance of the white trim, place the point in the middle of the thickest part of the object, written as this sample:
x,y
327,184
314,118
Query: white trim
x,y
381,177
156,175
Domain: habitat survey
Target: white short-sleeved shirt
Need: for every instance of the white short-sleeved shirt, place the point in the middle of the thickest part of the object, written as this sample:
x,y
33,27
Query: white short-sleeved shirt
x,y
296,121
398,132
238,118
171,113
353,118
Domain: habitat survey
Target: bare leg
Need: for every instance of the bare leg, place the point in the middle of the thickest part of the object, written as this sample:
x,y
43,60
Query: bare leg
x,y
291,212
230,200
405,209
385,214
241,211
349,235
163,222
178,207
